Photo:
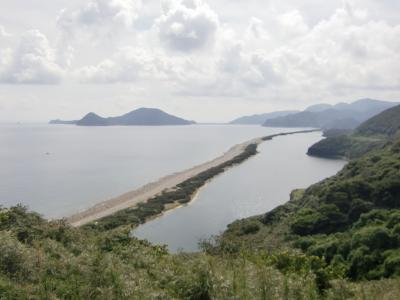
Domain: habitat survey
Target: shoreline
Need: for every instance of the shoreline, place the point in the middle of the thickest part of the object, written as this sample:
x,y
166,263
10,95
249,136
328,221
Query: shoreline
x,y
169,183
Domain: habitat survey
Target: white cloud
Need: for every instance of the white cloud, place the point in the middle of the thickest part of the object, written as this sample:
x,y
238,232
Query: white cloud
x,y
187,25
256,29
281,55
346,51
100,13
33,61
3,32
127,65
292,23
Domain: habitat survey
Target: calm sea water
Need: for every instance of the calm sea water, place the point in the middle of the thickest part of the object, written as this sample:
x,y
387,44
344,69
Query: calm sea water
x,y
252,188
59,170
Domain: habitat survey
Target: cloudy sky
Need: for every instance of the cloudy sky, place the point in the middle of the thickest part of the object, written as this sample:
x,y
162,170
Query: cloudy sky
x,y
200,59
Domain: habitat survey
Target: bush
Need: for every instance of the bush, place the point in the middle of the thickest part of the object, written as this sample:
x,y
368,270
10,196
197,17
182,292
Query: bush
x,y
250,228
357,208
392,264
362,261
326,219
14,259
374,237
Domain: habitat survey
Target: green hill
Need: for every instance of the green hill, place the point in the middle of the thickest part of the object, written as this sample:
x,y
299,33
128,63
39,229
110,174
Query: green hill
x,y
386,124
372,134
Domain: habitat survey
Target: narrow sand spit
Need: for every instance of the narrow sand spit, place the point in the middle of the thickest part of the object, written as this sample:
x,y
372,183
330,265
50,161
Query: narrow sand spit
x,y
144,193
152,189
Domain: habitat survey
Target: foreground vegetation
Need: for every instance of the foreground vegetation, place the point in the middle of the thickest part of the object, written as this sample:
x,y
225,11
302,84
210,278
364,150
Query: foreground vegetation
x,y
51,260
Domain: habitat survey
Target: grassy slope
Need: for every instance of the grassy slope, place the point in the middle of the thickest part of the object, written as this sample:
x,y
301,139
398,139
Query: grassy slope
x,y
42,260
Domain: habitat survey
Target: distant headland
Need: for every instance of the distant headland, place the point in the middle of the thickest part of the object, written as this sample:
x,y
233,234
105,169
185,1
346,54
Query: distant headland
x,y
138,117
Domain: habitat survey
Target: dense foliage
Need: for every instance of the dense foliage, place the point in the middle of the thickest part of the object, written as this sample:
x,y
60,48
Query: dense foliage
x,y
51,260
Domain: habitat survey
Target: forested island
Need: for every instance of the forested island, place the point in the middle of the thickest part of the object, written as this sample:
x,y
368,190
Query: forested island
x,y
139,117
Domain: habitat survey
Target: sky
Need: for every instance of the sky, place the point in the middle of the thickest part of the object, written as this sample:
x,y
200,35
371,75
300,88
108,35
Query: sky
x,y
209,61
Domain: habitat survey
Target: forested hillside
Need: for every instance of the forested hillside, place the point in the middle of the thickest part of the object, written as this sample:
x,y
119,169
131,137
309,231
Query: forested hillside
x,y
386,124
372,134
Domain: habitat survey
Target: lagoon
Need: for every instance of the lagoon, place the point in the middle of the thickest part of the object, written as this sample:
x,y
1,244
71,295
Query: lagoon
x,y
252,188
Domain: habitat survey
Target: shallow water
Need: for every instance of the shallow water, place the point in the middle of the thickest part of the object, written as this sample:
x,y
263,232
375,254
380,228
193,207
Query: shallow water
x,y
252,188
57,170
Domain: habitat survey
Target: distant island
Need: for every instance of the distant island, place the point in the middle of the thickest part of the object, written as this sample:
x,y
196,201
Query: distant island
x,y
138,117
339,116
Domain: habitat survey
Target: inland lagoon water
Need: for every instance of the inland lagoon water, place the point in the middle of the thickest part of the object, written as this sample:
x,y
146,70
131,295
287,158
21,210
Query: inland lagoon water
x,y
252,188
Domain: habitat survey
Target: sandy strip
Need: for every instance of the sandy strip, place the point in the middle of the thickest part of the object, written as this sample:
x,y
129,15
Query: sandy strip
x,y
152,189
144,193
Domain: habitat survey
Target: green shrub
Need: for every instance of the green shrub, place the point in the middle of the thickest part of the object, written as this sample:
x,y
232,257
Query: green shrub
x,y
392,264
250,228
358,207
326,219
374,237
15,260
362,261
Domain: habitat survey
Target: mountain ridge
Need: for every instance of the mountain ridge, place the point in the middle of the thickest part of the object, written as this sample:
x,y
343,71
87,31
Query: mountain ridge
x,y
327,116
259,119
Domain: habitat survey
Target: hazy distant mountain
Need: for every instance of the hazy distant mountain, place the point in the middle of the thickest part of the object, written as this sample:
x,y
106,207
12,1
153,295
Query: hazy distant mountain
x,y
318,107
139,117
261,118
61,122
339,116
